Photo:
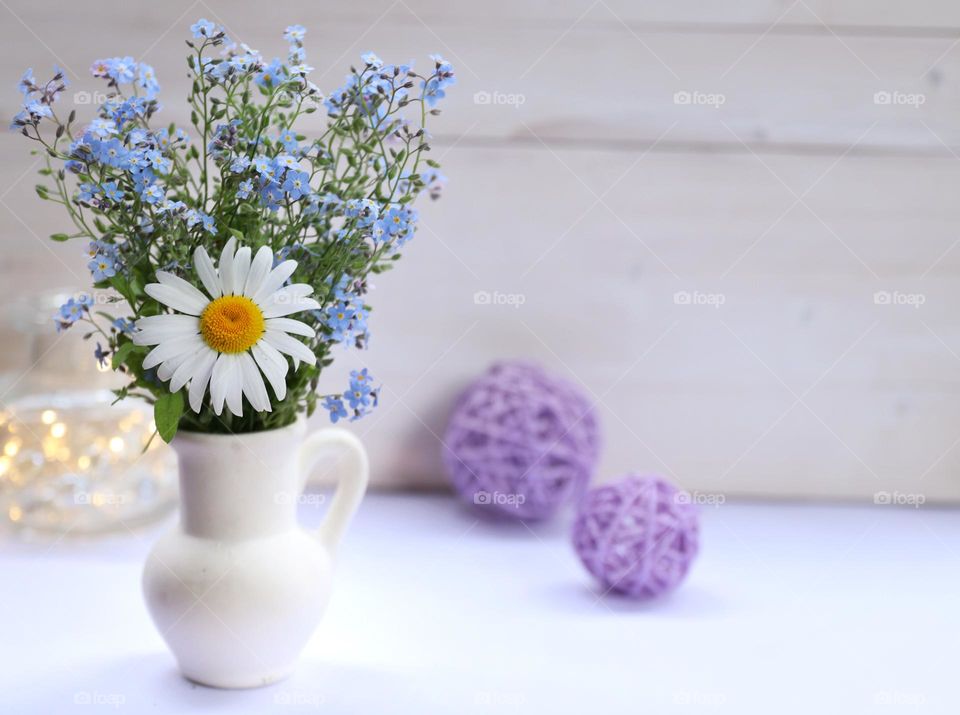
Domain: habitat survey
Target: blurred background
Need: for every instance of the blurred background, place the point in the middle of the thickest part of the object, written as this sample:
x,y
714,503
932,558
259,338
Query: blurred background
x,y
734,224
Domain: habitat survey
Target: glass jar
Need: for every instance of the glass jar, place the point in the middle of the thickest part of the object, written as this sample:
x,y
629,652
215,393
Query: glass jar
x,y
71,462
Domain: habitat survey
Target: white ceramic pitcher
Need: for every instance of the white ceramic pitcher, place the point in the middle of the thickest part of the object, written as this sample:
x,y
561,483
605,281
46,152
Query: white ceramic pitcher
x,y
238,587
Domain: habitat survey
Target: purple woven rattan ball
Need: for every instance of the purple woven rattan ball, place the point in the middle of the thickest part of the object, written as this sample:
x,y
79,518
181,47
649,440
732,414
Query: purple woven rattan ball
x,y
637,536
520,443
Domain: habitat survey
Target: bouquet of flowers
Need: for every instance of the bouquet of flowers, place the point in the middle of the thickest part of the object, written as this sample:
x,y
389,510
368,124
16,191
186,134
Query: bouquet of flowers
x,y
209,244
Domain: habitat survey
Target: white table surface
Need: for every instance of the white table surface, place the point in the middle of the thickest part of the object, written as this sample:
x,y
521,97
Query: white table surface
x,y
790,609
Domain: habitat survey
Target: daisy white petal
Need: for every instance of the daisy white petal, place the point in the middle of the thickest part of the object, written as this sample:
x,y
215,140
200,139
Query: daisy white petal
x,y
294,290
273,365
171,348
288,325
225,267
168,367
241,267
175,298
253,386
296,305
218,382
259,270
188,368
206,272
276,278
152,321
198,383
290,346
157,328
287,300
234,385
169,279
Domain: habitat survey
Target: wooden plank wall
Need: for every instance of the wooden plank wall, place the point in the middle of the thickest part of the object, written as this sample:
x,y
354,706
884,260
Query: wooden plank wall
x,y
812,173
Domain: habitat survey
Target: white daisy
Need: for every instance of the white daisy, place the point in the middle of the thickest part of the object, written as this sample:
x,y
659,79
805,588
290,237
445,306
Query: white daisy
x,y
228,339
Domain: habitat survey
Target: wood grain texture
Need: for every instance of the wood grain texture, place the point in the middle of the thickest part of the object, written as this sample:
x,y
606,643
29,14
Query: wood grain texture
x,y
599,199
580,81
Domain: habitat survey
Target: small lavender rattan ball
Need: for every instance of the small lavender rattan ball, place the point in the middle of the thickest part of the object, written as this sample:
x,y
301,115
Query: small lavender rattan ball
x,y
637,536
520,443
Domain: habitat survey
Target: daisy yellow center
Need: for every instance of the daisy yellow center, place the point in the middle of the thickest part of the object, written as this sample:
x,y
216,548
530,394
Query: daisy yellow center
x,y
232,324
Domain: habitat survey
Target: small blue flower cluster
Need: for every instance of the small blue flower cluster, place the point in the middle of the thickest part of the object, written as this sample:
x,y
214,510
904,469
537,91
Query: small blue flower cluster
x,y
346,317
392,223
276,180
434,89
72,311
76,309
116,139
37,99
125,70
240,60
103,260
360,398
366,90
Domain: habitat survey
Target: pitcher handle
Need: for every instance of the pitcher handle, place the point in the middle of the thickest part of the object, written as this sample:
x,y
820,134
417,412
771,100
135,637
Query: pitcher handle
x,y
351,471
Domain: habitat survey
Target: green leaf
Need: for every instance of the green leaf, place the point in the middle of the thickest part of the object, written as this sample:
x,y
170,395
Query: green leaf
x,y
59,236
237,234
122,287
166,413
121,355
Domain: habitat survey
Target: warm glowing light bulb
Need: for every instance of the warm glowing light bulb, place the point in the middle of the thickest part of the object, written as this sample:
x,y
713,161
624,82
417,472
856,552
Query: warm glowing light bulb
x,y
116,445
48,417
4,465
83,462
58,430
11,448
